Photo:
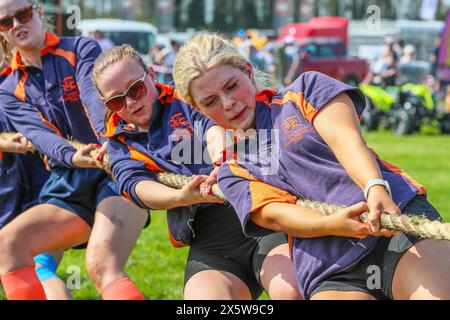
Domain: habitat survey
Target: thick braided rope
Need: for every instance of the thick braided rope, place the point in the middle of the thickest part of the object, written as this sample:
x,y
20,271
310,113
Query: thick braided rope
x,y
406,223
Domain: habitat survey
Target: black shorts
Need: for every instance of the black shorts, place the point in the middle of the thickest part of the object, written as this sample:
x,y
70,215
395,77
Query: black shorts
x,y
219,244
375,272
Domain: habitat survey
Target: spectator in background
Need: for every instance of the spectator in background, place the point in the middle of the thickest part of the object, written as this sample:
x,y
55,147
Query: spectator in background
x,y
399,47
409,54
169,59
383,72
434,57
103,41
291,57
389,44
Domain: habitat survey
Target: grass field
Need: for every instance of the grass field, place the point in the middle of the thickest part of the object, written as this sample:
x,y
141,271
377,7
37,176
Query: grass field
x,y
157,268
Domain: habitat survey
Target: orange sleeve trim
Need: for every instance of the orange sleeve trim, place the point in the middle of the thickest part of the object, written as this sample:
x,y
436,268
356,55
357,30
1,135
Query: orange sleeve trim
x,y
397,170
90,122
51,125
307,110
174,242
127,196
139,156
19,92
262,193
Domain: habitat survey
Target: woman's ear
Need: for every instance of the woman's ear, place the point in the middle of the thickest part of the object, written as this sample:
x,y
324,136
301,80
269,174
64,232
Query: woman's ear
x,y
40,11
151,73
248,69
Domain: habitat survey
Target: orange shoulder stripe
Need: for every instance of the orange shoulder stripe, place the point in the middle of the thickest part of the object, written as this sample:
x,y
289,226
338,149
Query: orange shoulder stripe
x,y
307,110
68,55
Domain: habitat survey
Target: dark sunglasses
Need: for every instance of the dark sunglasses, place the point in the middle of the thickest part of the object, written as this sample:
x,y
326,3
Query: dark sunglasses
x,y
23,15
136,91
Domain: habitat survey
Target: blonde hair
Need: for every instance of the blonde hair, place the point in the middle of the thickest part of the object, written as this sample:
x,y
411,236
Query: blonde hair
x,y
7,51
112,56
206,51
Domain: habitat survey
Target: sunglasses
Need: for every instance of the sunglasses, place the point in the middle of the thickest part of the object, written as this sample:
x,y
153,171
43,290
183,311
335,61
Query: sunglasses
x,y
136,91
23,15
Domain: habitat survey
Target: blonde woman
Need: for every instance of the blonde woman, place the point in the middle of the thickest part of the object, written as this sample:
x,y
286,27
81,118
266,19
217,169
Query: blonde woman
x,y
321,155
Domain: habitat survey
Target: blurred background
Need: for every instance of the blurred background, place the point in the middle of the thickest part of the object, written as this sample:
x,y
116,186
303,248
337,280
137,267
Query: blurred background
x,y
396,51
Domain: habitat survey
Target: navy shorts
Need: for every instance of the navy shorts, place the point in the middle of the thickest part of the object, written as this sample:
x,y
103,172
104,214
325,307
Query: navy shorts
x,y
78,190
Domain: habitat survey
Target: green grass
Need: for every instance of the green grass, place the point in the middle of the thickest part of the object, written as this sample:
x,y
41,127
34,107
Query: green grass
x,y
158,269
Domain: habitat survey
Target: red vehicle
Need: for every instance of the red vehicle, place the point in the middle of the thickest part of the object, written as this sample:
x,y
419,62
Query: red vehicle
x,y
329,56
330,27
323,45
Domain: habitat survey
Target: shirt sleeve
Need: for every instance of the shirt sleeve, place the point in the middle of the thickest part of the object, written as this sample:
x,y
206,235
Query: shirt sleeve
x,y
247,194
88,51
28,120
3,122
126,171
313,90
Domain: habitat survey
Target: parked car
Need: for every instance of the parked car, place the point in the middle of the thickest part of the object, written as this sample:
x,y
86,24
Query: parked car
x,y
139,35
329,56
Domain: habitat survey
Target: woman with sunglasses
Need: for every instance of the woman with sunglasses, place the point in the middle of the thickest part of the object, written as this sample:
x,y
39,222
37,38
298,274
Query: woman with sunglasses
x,y
151,130
320,155
49,97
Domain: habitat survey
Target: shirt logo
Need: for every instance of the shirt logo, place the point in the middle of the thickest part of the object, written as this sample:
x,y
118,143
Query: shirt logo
x,y
293,130
181,127
70,89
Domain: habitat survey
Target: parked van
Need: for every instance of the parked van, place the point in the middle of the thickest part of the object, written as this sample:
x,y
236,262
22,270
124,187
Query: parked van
x,y
139,35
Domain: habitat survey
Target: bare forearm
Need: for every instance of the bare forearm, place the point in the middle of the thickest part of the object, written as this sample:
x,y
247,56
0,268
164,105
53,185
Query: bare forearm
x,y
158,196
292,220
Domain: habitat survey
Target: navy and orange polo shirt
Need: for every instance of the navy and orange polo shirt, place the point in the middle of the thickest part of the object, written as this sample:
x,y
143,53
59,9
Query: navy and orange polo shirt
x,y
174,142
294,162
58,102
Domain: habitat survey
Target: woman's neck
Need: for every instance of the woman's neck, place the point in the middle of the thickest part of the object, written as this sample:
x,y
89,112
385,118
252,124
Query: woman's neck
x,y
142,129
31,58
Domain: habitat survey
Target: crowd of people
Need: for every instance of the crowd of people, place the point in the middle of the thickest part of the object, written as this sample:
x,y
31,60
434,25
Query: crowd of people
x,y
56,89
